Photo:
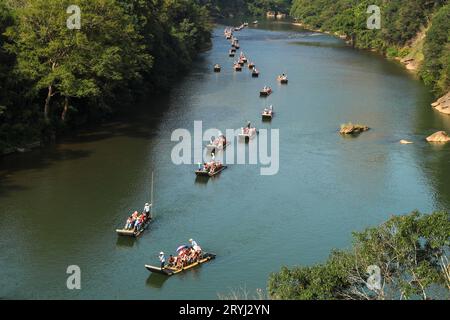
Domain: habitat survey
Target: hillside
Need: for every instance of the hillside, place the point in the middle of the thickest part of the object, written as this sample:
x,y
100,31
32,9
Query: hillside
x,y
416,32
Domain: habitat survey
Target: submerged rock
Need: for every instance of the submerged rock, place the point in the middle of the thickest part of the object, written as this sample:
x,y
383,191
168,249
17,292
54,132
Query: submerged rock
x,y
406,142
443,104
353,128
440,136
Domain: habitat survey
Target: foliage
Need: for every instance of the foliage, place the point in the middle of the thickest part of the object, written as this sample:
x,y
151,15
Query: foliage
x,y
53,78
410,251
225,8
401,21
436,70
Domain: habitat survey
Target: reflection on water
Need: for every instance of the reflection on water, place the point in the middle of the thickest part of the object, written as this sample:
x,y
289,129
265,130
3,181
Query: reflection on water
x,y
156,281
126,242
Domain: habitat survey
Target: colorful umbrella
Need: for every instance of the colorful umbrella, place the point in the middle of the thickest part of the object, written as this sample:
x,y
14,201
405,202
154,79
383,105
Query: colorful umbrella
x,y
182,248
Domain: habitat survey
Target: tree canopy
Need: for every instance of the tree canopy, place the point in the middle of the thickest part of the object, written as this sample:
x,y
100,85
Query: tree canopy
x,y
410,253
401,22
69,76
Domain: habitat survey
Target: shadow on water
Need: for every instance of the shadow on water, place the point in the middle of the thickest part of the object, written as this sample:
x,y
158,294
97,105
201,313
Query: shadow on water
x,y
7,186
141,122
202,181
156,281
125,242
37,159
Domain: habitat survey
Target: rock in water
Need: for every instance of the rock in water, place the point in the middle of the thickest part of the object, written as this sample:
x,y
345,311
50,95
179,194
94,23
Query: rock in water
x,y
353,128
406,142
443,104
440,136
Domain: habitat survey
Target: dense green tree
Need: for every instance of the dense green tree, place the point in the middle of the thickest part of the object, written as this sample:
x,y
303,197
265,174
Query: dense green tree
x,y
436,71
75,63
124,47
17,112
411,253
225,8
401,21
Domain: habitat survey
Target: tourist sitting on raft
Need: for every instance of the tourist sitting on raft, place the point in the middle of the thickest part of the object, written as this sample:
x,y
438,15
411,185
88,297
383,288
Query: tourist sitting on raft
x,y
248,128
136,221
210,167
187,255
221,141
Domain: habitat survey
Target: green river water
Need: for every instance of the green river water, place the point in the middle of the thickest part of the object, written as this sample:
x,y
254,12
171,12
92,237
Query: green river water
x,y
60,206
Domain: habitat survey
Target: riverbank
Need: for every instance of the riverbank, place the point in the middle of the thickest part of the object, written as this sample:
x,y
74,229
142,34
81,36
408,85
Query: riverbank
x,y
409,62
412,61
417,36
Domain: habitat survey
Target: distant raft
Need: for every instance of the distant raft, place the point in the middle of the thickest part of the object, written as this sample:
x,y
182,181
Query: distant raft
x,y
267,114
170,271
220,143
248,132
265,92
210,169
283,79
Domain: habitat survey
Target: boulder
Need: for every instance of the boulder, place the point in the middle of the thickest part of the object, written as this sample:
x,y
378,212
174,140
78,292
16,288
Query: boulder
x,y
440,136
353,128
443,104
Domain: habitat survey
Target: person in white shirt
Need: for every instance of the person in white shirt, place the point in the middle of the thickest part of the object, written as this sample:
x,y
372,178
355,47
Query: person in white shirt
x,y
193,243
162,259
148,210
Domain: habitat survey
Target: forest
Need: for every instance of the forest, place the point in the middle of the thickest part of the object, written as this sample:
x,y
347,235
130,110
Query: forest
x,y
54,79
227,8
401,22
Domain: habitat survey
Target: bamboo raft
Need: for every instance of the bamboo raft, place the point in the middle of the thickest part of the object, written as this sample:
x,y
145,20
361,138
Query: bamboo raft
x,y
136,234
248,136
265,93
133,233
168,271
283,80
205,173
267,115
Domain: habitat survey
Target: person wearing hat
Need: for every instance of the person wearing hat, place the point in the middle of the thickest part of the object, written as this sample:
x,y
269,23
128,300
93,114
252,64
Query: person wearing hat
x,y
147,210
162,259
193,243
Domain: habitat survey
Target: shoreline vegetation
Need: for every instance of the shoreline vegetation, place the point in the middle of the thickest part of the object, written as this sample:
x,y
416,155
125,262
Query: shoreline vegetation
x,y
54,80
404,258
415,33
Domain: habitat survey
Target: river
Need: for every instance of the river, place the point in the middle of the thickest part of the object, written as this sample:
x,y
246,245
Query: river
x,y
60,206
